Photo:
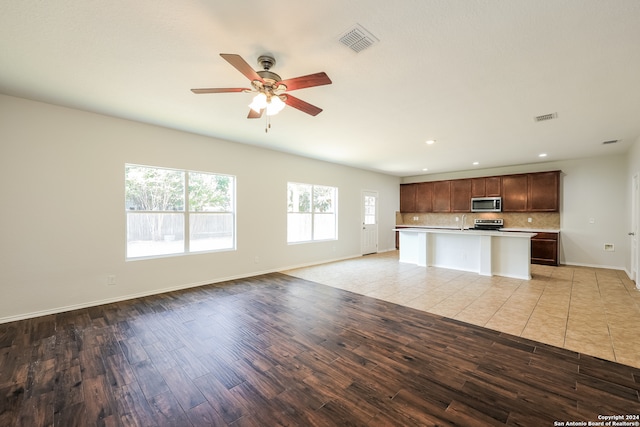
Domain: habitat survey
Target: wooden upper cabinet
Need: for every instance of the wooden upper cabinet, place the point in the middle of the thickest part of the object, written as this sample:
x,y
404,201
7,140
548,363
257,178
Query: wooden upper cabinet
x,y
424,197
407,197
478,186
493,186
442,196
486,187
543,192
461,195
527,192
515,193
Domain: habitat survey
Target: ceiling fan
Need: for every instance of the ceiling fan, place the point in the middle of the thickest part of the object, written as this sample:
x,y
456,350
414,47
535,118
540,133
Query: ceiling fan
x,y
271,90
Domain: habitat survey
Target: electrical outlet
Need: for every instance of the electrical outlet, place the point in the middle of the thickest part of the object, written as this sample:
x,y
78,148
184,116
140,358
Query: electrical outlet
x,y
609,247
592,220
530,219
111,280
415,218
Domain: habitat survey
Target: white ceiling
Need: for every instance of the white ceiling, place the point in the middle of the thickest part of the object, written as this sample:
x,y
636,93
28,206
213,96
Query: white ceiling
x,y
470,74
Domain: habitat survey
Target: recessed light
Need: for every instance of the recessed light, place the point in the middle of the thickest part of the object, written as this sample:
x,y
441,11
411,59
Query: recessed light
x,y
425,169
542,155
476,163
430,141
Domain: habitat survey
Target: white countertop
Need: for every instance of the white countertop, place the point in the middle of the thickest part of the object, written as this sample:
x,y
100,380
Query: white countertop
x,y
514,229
450,230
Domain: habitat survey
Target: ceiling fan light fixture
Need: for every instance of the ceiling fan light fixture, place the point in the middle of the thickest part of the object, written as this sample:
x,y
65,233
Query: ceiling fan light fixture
x,y
269,87
259,102
275,105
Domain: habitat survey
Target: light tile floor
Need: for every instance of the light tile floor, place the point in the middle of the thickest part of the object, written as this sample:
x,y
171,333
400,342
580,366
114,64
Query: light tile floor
x,y
588,310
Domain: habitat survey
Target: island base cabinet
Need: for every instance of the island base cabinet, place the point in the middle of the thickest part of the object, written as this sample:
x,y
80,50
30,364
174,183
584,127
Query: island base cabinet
x,y
485,253
544,249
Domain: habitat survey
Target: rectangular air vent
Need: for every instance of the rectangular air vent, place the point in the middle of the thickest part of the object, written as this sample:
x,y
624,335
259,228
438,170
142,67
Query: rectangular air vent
x,y
545,117
358,39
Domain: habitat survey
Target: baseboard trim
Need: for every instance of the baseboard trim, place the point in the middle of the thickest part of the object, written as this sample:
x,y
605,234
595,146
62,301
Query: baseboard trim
x,y
607,267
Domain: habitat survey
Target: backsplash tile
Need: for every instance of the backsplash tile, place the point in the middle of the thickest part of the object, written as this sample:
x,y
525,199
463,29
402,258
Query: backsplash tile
x,y
539,220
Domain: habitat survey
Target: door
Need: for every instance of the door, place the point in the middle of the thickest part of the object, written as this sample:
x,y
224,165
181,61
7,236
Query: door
x,y
635,203
369,236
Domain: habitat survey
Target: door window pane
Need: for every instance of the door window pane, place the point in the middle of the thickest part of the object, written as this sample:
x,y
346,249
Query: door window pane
x,y
369,210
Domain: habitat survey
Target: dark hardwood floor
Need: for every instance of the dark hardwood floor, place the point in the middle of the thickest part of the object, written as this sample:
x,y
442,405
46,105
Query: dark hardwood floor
x,y
277,350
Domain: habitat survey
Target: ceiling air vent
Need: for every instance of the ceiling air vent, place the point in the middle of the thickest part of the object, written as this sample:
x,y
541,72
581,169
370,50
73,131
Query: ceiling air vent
x,y
544,117
613,141
358,39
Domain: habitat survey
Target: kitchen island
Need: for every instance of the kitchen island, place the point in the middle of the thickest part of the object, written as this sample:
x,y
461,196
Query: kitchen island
x,y
485,252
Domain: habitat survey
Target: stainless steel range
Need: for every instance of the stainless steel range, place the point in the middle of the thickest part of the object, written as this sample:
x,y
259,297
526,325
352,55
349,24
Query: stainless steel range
x,y
488,224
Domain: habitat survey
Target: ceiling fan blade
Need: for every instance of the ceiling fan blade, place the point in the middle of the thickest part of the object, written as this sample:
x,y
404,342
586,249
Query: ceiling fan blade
x,y
241,65
301,105
254,115
220,90
317,79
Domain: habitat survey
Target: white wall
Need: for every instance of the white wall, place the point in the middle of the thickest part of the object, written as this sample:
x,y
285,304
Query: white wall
x,y
595,188
63,219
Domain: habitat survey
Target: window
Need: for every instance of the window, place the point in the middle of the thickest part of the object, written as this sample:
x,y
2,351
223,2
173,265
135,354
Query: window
x,y
369,210
173,211
311,212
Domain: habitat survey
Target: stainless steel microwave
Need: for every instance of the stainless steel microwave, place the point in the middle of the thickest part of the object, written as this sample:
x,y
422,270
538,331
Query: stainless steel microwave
x,y
486,204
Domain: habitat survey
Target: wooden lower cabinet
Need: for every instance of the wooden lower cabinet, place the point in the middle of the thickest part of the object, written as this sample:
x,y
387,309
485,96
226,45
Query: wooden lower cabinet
x,y
544,248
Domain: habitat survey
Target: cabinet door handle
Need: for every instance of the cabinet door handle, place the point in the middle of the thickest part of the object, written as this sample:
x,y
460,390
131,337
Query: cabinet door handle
x,y
631,233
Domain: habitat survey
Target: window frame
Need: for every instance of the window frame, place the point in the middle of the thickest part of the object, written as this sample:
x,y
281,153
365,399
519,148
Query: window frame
x,y
186,212
312,213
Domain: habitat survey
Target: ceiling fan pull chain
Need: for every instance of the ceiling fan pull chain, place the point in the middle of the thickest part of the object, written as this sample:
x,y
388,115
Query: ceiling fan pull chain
x,y
267,123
